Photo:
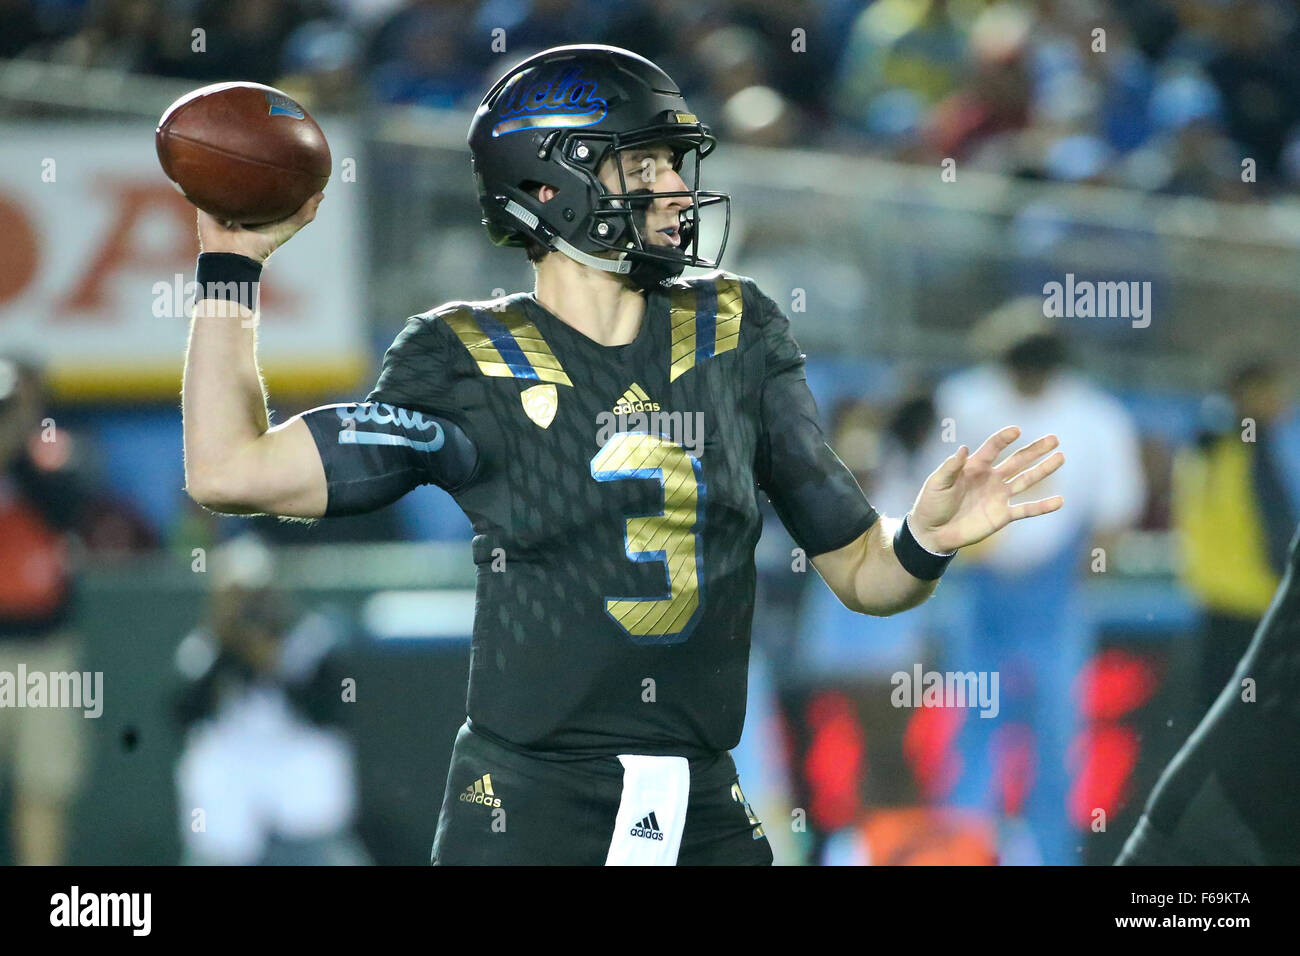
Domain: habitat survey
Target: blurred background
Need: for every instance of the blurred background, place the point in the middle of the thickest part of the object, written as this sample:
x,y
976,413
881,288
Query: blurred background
x,y
907,177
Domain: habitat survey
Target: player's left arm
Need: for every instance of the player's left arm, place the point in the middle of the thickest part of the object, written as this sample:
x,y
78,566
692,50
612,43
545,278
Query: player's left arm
x,y
864,559
963,501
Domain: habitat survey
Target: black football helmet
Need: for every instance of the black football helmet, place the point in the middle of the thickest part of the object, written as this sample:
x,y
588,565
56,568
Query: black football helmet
x,y
552,120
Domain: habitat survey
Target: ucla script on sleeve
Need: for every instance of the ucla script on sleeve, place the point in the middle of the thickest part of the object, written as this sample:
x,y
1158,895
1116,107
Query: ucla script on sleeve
x,y
374,453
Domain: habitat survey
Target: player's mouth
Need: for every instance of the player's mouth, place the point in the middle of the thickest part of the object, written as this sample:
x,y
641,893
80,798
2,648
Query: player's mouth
x,y
674,236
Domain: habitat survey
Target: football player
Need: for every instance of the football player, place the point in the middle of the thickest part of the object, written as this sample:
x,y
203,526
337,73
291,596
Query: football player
x,y
1228,796
608,435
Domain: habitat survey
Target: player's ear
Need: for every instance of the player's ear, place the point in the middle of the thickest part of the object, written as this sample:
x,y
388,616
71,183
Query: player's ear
x,y
546,193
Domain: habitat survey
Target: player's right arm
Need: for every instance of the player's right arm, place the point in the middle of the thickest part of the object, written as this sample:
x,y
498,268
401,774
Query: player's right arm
x,y
333,460
234,461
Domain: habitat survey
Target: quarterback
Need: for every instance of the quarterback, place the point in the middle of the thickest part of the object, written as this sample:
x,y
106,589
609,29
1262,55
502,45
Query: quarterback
x,y
609,655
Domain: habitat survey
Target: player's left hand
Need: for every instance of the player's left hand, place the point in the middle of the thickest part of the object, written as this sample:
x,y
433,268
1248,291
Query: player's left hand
x,y
968,497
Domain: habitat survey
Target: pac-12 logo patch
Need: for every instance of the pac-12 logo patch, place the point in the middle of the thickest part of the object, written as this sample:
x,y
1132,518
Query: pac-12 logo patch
x,y
540,404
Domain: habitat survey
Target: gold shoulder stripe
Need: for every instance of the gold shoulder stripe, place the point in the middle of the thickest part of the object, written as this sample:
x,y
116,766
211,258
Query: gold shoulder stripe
x,y
479,344
681,320
704,319
535,349
731,306
508,346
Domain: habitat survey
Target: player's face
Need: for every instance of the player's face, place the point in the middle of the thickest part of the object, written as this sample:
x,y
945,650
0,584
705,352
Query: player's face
x,y
651,168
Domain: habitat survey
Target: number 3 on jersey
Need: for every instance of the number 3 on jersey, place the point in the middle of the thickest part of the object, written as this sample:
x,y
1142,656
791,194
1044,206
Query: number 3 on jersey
x,y
671,536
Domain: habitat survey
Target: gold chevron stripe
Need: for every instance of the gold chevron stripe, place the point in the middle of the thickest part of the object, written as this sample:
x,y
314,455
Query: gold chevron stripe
x,y
535,349
479,344
681,320
731,305
488,357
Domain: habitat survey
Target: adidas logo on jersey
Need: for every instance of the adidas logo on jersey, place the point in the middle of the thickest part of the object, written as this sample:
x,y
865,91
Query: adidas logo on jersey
x,y
480,791
648,828
637,413
635,399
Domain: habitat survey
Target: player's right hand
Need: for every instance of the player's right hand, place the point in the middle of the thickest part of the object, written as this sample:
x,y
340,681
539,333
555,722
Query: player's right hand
x,y
255,242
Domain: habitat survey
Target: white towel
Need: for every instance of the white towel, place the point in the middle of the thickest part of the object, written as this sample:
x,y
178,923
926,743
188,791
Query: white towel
x,y
652,812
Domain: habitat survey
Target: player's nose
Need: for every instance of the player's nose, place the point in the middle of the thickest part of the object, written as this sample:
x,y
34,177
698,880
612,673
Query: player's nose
x,y
671,182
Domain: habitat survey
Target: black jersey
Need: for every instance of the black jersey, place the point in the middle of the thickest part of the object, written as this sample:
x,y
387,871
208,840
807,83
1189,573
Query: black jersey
x,y
614,500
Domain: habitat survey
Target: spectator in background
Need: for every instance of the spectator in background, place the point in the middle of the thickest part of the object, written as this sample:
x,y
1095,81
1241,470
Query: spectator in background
x,y
246,40
1189,154
265,759
115,34
909,48
22,27
992,105
321,66
40,497
1026,619
848,737
1254,65
732,65
1233,515
423,56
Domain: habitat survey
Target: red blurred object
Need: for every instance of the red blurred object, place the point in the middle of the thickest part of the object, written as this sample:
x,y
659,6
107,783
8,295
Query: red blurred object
x,y
928,748
927,836
1115,683
835,762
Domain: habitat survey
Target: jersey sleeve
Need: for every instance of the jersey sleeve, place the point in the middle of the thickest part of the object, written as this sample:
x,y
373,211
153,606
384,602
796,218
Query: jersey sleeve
x,y
373,453
813,492
420,369
376,451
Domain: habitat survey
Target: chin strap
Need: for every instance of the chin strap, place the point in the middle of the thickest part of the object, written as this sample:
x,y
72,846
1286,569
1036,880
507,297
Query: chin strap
x,y
644,273
619,266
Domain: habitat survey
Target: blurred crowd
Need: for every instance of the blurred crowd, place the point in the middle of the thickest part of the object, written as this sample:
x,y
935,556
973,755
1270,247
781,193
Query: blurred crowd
x,y
1189,97
888,784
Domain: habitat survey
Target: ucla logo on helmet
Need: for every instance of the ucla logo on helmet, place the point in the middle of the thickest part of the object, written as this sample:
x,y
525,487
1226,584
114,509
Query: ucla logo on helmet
x,y
563,102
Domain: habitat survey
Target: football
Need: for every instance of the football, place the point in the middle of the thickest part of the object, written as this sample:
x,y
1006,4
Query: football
x,y
244,152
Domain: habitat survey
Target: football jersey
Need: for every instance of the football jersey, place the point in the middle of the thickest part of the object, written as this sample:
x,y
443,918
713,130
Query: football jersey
x,y
614,499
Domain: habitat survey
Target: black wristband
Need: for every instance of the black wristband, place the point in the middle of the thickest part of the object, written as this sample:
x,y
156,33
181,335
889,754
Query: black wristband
x,y
229,277
915,559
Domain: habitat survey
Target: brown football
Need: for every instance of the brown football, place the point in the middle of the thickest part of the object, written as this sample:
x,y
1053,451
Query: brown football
x,y
243,152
